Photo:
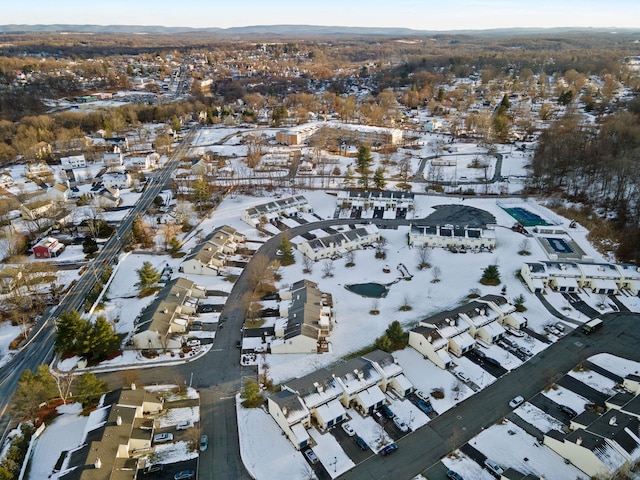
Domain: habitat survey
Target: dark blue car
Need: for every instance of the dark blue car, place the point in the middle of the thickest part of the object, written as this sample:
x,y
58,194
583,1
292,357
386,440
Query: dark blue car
x,y
389,449
424,406
386,411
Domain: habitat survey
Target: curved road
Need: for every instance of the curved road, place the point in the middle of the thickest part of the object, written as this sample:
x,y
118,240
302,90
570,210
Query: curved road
x,y
218,375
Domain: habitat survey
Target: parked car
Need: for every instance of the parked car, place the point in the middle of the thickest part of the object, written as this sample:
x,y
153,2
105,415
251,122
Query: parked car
x,y
552,330
196,325
516,401
400,424
568,410
386,411
311,456
493,361
185,475
421,395
389,449
560,326
478,354
525,351
151,469
204,443
162,437
378,417
454,475
206,308
348,429
239,344
184,425
494,468
361,443
194,342
462,376
424,406
515,333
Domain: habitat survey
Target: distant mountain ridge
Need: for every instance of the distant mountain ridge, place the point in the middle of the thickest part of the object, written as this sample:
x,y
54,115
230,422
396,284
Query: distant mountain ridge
x,y
291,30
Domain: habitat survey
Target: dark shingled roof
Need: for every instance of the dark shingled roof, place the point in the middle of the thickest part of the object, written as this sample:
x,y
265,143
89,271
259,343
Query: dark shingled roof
x,y
461,215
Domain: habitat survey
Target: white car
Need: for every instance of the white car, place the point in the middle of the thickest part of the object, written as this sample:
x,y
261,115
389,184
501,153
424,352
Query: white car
x,y
421,395
462,376
184,425
348,429
162,437
400,424
517,401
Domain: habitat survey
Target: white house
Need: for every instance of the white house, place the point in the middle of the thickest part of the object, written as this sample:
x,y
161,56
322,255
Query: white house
x,y
292,416
209,256
458,226
266,212
75,161
163,323
309,321
339,243
378,202
113,159
116,180
58,193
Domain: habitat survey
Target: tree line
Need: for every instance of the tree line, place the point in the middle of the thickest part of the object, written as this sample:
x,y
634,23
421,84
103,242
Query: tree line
x,y
597,168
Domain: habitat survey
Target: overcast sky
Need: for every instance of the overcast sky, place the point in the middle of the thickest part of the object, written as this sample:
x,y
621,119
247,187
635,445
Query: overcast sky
x,y
416,14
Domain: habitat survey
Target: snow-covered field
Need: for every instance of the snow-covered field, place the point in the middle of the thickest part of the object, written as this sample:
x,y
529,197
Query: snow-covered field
x,y
266,452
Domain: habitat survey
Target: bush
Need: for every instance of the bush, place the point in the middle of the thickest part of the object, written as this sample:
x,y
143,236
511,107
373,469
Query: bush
x,y
437,393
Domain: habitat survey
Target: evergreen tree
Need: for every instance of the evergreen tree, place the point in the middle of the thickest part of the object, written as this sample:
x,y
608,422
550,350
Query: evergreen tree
x,y
287,252
68,327
490,276
364,160
89,388
378,179
251,394
148,276
103,340
384,343
33,389
89,246
201,192
174,246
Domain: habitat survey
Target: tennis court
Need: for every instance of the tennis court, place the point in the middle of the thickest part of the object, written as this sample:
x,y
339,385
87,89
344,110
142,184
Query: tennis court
x,y
525,217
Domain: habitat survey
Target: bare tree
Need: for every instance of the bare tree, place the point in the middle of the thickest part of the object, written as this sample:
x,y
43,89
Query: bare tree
x,y
327,269
406,303
436,274
424,254
381,249
525,246
64,381
349,258
375,306
130,377
307,264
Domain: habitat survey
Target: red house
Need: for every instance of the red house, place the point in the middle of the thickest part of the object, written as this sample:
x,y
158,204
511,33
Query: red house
x,y
48,247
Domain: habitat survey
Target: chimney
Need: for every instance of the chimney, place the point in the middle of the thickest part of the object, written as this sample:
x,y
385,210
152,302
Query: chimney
x,y
579,441
133,386
119,420
612,421
97,464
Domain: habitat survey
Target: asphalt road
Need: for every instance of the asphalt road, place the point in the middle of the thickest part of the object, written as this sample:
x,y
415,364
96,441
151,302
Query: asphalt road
x,y
38,349
425,447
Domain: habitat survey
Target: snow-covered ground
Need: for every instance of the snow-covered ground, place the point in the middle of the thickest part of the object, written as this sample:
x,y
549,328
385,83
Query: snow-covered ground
x,y
355,328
